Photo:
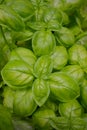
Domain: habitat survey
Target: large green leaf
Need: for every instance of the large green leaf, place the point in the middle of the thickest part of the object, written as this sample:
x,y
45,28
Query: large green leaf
x,y
19,68
17,74
63,87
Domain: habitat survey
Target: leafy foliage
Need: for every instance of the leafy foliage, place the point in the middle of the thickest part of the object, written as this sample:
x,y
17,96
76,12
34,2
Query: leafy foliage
x,y
43,64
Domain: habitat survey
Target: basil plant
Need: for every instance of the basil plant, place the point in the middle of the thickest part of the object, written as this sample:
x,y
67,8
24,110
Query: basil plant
x,y
24,70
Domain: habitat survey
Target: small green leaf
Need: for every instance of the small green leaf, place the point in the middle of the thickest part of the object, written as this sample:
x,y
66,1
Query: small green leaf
x,y
40,91
43,67
75,71
65,37
8,97
78,55
22,36
36,25
59,57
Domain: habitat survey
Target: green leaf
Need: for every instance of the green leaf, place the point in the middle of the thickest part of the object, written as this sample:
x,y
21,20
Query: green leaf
x,y
52,18
65,37
43,67
59,123
51,104
40,91
58,4
24,35
5,119
36,25
25,55
62,123
10,19
23,8
78,55
71,109
59,57
75,71
41,118
43,42
19,68
63,87
9,39
8,97
17,74
24,104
